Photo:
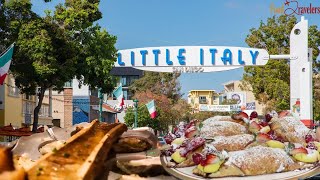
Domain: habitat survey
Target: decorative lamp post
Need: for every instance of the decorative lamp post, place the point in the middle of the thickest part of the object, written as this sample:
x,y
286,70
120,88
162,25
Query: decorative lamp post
x,y
135,112
100,95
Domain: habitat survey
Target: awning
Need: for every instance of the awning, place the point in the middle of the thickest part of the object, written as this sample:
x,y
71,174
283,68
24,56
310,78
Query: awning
x,y
105,108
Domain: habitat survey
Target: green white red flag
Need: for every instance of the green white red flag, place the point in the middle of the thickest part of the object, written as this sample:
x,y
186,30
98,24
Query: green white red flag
x,y
5,61
152,109
118,93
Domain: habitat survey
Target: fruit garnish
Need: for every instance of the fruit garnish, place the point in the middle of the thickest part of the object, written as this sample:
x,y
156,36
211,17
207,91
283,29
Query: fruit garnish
x,y
268,117
279,139
191,132
175,129
211,168
192,145
265,129
263,123
176,156
169,138
253,114
197,158
299,150
308,138
243,115
190,124
210,159
312,157
275,144
178,141
312,145
167,152
254,127
262,137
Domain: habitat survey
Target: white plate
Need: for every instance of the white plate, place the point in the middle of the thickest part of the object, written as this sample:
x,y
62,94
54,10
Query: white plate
x,y
186,173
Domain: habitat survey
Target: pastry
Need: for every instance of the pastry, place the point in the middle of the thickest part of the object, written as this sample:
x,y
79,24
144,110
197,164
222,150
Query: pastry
x,y
221,128
7,169
232,143
209,160
255,161
291,129
135,141
82,156
234,118
181,155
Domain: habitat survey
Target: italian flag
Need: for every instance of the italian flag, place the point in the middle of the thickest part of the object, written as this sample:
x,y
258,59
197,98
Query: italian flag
x,y
152,109
5,61
118,93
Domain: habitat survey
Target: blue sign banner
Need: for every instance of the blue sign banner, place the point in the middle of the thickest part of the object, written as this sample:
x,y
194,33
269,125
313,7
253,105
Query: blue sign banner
x,y
207,58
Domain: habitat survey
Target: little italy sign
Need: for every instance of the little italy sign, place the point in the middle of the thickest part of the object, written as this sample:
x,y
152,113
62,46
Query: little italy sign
x,y
193,59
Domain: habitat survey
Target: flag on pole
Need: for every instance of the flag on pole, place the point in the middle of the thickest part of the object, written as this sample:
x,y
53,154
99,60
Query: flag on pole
x,y
119,95
5,61
152,109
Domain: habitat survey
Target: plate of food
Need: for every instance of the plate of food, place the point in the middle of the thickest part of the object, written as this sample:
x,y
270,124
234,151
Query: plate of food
x,y
242,147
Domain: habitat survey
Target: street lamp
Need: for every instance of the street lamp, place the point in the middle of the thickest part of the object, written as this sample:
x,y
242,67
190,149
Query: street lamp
x,y
100,95
135,112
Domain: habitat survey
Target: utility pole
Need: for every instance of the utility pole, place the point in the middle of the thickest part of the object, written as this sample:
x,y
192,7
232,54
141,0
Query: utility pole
x,y
135,113
100,104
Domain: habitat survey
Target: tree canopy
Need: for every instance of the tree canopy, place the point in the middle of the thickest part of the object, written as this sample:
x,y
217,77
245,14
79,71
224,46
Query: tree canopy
x,y
54,49
159,83
271,83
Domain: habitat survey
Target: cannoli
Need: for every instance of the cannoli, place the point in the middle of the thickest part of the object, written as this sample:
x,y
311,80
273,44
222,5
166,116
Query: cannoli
x,y
291,129
222,128
232,143
254,161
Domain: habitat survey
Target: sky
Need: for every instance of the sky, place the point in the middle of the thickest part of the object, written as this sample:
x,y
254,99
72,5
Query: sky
x,y
152,23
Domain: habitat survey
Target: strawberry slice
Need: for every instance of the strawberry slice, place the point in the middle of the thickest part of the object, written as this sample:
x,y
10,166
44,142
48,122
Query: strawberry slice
x,y
262,137
264,123
298,150
243,115
254,127
191,132
210,159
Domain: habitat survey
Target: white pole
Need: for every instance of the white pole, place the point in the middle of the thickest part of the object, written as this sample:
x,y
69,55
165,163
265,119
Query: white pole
x,y
281,56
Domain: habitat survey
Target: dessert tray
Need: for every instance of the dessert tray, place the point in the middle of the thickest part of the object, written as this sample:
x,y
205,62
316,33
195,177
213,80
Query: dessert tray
x,y
242,147
186,173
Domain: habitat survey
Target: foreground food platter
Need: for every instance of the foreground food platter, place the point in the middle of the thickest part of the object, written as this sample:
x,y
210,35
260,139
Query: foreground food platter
x,y
186,173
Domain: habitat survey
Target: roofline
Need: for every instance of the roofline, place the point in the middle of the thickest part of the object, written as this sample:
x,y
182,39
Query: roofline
x,y
203,90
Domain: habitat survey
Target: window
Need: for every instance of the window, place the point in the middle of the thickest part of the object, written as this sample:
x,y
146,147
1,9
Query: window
x,y
68,84
26,96
123,81
125,94
12,89
202,100
27,107
44,111
128,80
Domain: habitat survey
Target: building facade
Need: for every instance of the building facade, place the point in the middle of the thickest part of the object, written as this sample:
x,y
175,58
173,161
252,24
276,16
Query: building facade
x,y
125,76
17,109
197,98
244,98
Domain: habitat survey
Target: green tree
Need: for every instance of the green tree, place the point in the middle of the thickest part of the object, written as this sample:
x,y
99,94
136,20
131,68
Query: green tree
x,y
144,119
158,83
54,49
271,82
